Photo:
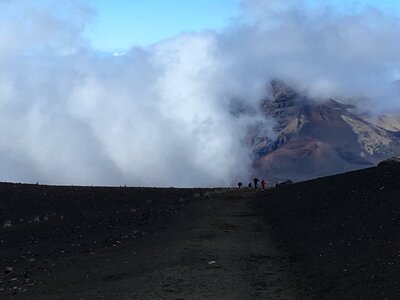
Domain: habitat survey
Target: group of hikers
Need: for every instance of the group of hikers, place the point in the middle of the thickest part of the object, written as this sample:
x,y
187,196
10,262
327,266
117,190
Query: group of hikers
x,y
264,184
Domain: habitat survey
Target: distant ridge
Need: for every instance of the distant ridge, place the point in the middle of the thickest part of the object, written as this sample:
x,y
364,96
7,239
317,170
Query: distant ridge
x,y
316,138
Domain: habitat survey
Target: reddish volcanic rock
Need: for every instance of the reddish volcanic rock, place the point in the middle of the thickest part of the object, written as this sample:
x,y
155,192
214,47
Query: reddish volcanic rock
x,y
317,138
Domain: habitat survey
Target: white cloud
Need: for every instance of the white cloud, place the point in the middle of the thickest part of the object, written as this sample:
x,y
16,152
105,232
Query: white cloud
x,y
161,115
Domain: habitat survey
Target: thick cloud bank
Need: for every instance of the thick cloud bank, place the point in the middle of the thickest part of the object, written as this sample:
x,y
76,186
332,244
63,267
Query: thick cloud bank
x,y
169,114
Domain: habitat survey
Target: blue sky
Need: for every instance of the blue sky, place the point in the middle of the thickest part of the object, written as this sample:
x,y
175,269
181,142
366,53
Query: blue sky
x,y
124,23
119,25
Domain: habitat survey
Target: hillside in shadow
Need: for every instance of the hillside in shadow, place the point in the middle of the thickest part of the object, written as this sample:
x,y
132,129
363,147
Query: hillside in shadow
x,y
341,232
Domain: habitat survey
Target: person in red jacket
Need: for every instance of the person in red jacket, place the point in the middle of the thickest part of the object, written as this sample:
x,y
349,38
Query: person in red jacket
x,y
263,184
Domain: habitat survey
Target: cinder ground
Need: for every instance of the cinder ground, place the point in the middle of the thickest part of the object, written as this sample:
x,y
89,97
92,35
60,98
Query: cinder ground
x,y
201,245
331,238
342,233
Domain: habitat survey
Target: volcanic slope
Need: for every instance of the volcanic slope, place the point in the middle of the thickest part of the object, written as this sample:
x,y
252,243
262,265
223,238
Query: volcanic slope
x,y
342,232
317,137
131,243
330,238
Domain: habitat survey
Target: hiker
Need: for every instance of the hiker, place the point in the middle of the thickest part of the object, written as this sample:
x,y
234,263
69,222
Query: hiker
x,y
249,185
263,184
239,184
255,182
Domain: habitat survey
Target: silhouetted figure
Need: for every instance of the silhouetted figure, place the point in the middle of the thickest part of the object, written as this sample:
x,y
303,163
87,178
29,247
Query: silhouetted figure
x,y
263,184
239,184
255,180
249,185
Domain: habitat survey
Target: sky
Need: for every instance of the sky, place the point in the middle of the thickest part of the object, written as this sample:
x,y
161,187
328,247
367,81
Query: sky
x,y
120,25
163,112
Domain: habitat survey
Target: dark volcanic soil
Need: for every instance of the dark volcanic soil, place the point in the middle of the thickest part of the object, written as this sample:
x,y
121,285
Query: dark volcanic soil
x,y
330,238
62,237
342,232
127,243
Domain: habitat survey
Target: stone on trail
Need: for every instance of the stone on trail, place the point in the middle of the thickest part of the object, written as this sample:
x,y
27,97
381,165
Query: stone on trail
x,y
7,224
206,195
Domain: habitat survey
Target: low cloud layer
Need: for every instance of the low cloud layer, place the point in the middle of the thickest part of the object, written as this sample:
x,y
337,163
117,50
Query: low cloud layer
x,y
161,115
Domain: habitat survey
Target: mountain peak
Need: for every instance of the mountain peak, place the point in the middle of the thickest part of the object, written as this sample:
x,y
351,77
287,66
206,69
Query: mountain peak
x,y
317,138
281,92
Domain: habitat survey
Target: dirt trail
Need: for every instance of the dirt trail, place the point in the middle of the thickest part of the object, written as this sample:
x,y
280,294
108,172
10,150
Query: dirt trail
x,y
229,230
225,229
216,248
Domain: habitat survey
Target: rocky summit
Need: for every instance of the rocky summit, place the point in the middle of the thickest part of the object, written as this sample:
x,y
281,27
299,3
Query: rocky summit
x,y
315,138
